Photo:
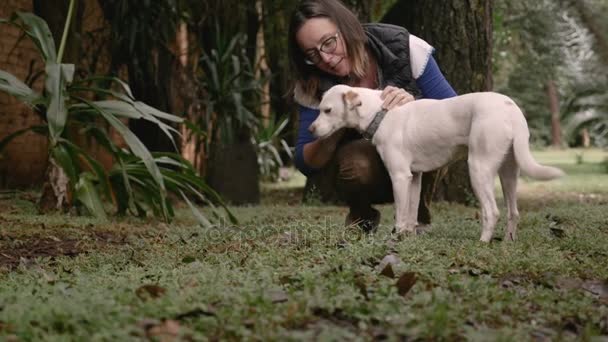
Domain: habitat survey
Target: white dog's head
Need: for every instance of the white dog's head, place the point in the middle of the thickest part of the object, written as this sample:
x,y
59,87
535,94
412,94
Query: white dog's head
x,y
341,106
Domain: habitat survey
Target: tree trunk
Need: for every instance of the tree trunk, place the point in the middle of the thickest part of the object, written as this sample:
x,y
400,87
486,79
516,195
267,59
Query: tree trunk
x,y
362,8
232,169
461,33
586,138
233,172
556,128
56,193
151,87
149,68
590,21
185,97
261,65
275,25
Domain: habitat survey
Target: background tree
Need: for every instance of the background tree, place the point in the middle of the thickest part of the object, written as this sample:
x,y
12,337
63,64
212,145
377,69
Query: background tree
x,y
549,59
210,87
141,34
232,97
461,33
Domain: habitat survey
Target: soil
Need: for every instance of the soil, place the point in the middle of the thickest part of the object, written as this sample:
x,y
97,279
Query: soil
x,y
17,248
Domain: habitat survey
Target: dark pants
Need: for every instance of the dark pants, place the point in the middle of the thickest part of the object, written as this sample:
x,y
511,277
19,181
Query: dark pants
x,y
357,177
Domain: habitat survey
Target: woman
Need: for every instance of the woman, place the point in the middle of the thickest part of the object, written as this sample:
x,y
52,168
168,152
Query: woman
x,y
327,46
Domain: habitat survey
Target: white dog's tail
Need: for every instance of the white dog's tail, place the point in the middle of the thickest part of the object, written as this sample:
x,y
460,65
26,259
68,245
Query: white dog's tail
x,y
526,162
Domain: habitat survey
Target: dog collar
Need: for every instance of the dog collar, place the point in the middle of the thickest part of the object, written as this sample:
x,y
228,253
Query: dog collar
x,y
373,126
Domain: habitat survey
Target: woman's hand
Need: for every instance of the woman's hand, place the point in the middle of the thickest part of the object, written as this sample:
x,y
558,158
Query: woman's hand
x,y
394,97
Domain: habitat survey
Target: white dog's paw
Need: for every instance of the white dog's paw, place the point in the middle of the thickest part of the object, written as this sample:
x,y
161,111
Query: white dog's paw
x,y
404,231
509,237
486,237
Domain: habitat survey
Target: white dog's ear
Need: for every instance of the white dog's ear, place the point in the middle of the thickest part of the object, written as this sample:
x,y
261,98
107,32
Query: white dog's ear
x,y
351,99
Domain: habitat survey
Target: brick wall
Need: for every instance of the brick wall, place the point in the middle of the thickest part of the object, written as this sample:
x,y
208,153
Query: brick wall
x,y
24,161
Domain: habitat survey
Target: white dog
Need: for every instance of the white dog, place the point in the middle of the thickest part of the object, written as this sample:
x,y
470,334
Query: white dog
x,y
424,135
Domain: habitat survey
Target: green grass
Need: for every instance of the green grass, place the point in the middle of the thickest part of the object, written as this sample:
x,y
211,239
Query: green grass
x,y
587,176
292,272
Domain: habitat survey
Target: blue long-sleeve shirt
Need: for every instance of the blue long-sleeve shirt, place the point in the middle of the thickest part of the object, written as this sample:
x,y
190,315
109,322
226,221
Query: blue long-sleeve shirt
x,y
431,83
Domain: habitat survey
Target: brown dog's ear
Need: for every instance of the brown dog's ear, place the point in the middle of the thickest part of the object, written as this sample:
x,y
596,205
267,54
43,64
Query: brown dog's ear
x,y
351,99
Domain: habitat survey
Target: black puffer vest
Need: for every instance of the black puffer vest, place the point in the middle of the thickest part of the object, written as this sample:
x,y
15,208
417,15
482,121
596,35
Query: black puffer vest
x,y
390,45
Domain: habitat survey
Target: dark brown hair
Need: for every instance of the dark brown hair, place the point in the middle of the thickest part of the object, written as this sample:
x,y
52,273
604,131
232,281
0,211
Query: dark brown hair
x,y
351,33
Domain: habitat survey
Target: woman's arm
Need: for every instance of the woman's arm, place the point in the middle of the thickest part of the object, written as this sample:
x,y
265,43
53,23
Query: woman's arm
x,y
429,78
311,153
433,84
320,151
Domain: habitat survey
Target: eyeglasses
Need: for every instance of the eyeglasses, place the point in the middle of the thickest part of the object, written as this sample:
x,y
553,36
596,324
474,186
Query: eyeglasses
x,y
313,56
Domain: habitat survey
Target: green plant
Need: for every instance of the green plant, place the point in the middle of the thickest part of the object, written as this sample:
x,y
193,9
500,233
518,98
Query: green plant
x,y
231,90
268,141
139,180
580,157
587,107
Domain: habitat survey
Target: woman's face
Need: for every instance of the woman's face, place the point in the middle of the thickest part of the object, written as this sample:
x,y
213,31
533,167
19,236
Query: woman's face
x,y
321,42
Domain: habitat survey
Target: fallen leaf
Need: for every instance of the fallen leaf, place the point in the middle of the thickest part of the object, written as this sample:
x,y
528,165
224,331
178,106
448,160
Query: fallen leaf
x,y
249,323
6,327
573,325
390,259
406,282
147,323
277,296
12,338
597,287
554,219
510,280
285,279
379,334
166,331
557,232
150,291
210,312
336,316
49,278
543,334
475,272
388,271
188,259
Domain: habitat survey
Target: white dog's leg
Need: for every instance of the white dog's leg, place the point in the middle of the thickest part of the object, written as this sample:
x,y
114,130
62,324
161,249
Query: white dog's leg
x,y
401,191
482,180
401,177
414,198
508,172
488,146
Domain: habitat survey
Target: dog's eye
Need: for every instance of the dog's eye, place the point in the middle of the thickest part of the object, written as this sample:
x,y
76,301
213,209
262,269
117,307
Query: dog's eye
x,y
327,110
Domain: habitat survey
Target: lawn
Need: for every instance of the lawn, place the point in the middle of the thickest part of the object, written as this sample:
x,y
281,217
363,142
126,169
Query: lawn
x,y
292,272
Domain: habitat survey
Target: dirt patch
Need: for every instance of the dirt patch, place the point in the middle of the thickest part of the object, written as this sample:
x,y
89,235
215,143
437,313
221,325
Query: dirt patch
x,y
287,196
11,257
19,248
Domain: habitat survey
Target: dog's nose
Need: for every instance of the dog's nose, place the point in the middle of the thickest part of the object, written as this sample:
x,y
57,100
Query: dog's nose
x,y
311,129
